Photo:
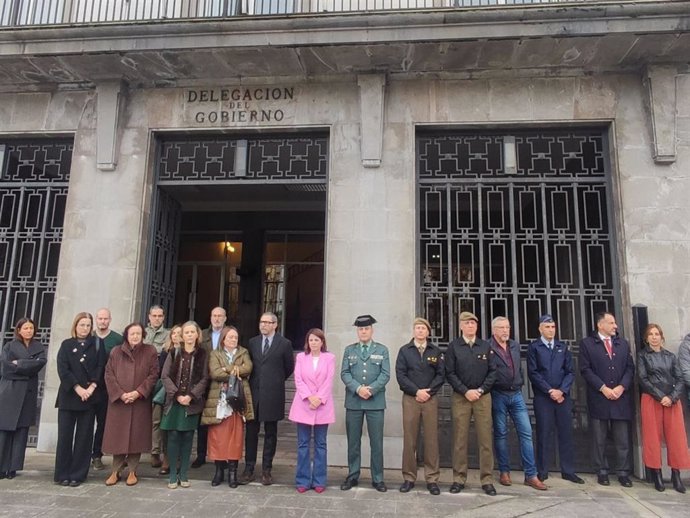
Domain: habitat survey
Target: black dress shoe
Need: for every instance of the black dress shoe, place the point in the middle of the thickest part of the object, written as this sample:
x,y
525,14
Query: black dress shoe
x,y
11,474
572,477
379,486
433,488
64,483
603,480
198,462
625,481
542,476
489,489
74,483
349,484
406,486
3,474
456,487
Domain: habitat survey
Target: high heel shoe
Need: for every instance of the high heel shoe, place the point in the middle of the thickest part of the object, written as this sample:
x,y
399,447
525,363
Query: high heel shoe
x,y
658,480
677,482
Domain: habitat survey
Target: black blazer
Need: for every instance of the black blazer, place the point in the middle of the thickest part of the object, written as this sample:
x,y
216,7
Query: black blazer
x,y
598,369
267,381
78,365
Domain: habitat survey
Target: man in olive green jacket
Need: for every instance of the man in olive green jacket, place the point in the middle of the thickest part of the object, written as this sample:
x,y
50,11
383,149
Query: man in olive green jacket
x,y
365,372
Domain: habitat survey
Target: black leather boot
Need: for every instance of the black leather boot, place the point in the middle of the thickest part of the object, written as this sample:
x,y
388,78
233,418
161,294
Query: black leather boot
x,y
220,473
658,481
677,482
232,473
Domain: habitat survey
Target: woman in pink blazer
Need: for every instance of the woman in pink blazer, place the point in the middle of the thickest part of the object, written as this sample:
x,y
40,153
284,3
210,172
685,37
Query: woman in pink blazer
x,y
313,410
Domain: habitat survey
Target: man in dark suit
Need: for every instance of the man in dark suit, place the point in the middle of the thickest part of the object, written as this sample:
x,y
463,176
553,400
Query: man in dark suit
x,y
607,366
273,362
550,369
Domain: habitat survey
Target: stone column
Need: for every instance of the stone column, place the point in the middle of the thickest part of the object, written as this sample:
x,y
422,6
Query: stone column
x,y
103,245
370,264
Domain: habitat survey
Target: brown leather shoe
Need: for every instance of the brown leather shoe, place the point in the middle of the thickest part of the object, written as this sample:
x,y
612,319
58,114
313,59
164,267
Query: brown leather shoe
x,y
535,483
156,461
504,479
132,479
245,478
266,478
112,479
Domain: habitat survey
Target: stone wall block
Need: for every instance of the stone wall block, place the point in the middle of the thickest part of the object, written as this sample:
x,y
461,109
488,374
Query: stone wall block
x,y
6,109
66,110
594,99
463,101
554,98
160,106
511,100
683,95
409,101
30,111
644,256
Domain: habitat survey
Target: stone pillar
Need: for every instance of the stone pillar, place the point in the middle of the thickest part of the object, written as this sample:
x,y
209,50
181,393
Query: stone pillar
x,y
103,246
370,265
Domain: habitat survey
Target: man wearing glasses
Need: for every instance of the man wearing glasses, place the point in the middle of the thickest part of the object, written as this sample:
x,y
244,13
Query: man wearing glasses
x,y
273,362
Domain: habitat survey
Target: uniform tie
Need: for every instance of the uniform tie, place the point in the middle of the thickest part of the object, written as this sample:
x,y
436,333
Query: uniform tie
x,y
550,346
609,350
365,348
266,346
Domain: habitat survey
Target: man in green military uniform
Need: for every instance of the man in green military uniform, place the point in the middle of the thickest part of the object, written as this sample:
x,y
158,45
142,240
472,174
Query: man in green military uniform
x,y
365,372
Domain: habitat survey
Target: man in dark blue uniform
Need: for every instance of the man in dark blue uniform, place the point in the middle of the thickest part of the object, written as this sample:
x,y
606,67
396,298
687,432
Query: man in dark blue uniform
x,y
365,371
550,370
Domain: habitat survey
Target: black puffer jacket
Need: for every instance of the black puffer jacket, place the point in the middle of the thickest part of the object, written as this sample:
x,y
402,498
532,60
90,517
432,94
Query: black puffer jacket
x,y
659,374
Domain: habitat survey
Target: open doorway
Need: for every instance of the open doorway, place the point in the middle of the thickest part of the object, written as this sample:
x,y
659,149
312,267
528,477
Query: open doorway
x,y
240,223
217,269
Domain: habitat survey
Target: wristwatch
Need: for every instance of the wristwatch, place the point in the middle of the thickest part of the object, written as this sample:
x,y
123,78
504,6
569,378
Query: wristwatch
x,y
480,390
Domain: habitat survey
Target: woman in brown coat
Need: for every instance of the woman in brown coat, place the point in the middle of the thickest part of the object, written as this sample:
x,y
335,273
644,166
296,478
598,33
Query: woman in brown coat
x,y
226,436
130,375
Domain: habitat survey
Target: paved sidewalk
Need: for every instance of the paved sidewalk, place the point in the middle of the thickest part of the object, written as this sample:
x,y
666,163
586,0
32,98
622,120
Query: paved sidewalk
x,y
33,494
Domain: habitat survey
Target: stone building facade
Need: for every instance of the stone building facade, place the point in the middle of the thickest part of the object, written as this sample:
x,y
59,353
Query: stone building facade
x,y
508,160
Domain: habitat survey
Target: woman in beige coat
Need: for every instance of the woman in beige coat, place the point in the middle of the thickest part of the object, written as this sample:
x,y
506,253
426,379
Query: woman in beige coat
x,y
226,434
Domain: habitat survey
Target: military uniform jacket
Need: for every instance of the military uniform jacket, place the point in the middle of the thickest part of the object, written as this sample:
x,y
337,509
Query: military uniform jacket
x,y
550,368
371,369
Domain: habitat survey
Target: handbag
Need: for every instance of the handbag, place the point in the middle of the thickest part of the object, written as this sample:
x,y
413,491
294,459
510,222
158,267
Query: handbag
x,y
159,393
234,394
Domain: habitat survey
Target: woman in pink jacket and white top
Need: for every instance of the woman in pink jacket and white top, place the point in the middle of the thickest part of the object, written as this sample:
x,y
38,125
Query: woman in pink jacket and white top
x,y
313,410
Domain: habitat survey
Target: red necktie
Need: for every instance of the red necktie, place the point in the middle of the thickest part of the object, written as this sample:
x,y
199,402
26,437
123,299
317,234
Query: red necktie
x,y
607,343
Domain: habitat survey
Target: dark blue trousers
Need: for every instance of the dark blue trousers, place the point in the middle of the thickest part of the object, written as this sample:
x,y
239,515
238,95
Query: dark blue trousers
x,y
554,424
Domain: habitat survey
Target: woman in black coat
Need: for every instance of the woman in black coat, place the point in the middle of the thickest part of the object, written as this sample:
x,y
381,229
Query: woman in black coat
x,y
80,365
20,362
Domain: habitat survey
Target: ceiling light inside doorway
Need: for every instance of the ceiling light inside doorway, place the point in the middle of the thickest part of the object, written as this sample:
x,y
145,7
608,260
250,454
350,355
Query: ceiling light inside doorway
x,y
229,247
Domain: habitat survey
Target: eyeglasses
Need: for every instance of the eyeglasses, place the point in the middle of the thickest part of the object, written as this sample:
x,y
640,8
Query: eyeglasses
x,y
267,322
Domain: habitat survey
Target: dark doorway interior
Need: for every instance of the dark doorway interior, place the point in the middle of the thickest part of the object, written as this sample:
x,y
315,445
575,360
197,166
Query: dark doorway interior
x,y
254,248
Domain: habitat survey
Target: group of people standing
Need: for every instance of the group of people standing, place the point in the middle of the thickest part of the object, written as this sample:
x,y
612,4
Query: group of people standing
x,y
151,389
487,384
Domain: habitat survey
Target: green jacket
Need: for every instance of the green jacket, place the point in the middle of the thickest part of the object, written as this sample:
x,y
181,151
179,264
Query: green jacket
x,y
111,340
372,369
